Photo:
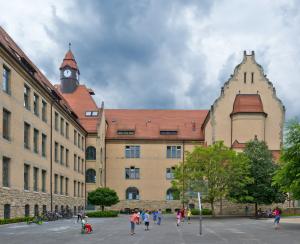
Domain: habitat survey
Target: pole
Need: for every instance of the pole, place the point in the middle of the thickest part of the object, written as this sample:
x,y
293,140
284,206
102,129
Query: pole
x,y
200,213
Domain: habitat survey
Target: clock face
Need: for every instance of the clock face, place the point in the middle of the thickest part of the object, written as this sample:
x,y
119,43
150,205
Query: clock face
x,y
67,73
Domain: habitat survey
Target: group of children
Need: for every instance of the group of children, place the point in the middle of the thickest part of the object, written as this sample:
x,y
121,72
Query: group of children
x,y
137,217
181,214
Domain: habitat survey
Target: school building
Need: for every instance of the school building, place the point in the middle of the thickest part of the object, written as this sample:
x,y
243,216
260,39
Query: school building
x,y
57,143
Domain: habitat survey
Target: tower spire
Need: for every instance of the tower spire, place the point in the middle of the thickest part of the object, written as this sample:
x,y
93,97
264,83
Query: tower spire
x,y
70,46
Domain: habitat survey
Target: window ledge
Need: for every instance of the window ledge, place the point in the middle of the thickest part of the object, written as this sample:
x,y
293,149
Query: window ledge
x,y
6,187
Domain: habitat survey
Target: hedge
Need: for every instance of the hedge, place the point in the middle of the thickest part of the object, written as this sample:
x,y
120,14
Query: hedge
x,y
102,214
15,220
205,211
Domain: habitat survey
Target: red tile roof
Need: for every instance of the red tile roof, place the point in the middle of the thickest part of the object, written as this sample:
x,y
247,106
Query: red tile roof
x,y
81,101
247,103
238,145
69,60
148,123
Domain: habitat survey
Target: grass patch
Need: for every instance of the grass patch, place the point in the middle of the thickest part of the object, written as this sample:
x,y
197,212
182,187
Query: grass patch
x,y
15,220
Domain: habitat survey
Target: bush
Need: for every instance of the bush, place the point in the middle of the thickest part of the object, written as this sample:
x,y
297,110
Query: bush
x,y
205,211
102,214
15,220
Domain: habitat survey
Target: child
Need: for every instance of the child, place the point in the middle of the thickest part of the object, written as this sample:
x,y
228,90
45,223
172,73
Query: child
x,y
146,220
189,213
159,215
133,220
276,213
86,226
154,214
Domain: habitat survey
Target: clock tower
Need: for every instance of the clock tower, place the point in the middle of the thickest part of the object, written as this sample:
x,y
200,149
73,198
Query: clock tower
x,y
69,73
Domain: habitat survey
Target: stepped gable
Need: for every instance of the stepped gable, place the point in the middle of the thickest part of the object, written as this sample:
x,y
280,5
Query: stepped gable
x,y
148,124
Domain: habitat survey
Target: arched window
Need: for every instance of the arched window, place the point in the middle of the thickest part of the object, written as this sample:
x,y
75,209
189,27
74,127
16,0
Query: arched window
x,y
36,210
90,176
90,153
172,194
132,193
27,210
6,211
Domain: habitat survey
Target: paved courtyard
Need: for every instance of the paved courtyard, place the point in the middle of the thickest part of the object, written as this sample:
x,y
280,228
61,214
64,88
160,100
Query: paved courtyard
x,y
116,230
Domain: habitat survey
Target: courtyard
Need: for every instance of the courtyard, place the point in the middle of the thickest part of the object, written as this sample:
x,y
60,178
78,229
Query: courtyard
x,y
116,230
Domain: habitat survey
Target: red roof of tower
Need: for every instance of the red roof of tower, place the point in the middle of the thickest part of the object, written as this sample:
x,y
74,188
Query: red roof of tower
x,y
69,60
247,103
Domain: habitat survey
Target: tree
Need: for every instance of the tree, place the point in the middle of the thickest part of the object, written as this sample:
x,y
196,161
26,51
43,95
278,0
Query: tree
x,y
103,197
262,169
288,175
211,169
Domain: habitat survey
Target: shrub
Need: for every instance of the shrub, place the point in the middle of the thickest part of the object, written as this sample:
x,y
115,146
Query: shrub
x,y
15,220
205,211
102,214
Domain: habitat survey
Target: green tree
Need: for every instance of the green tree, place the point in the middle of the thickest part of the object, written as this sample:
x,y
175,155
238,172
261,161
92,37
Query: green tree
x,y
288,174
262,169
103,197
211,170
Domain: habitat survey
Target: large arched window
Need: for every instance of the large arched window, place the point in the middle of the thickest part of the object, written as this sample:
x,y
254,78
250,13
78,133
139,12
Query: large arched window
x,y
90,153
90,176
6,211
36,210
27,210
132,193
172,194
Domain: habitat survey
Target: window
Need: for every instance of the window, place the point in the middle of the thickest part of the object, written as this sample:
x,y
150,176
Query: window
x,y
78,142
62,126
5,171
6,211
90,153
132,173
44,145
67,130
6,80
26,97
61,185
75,137
173,151
26,176
56,121
82,165
252,77
170,173
90,176
67,157
35,140
82,143
75,183
67,186
168,132
55,183
27,210
35,178
56,152
36,210
132,193
44,209
245,77
78,189
78,161
6,124
75,163
82,186
44,172
36,104
44,111
125,132
62,154
26,135
172,194
132,151
91,113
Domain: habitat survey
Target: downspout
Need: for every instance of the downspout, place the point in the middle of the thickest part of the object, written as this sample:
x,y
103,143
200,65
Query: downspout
x,y
85,197
51,159
183,158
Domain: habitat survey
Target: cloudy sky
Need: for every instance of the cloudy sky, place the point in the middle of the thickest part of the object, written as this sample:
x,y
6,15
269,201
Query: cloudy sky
x,y
161,54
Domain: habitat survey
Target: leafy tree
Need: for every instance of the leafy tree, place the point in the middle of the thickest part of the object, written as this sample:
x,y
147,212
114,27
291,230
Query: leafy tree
x,y
262,169
288,174
212,170
103,197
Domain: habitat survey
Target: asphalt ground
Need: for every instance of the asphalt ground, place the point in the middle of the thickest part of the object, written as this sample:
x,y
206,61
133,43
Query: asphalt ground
x,y
116,230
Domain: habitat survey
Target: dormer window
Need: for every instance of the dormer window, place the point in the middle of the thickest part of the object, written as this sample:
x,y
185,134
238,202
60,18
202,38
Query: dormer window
x,y
91,113
168,132
125,132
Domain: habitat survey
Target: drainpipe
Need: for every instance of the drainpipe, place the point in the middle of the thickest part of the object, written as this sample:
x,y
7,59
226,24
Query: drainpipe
x,y
183,158
51,158
85,197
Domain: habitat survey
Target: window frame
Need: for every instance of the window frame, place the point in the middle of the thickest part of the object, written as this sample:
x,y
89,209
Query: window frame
x,y
132,151
6,171
6,124
6,80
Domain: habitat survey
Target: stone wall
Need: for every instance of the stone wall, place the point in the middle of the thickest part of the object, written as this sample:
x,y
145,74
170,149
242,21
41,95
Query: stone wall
x,y
18,200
